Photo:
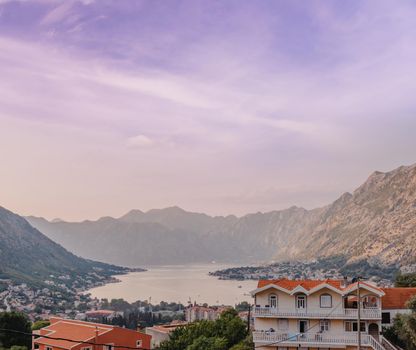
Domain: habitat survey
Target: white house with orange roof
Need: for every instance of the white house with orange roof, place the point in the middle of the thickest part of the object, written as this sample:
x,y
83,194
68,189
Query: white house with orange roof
x,y
317,314
395,302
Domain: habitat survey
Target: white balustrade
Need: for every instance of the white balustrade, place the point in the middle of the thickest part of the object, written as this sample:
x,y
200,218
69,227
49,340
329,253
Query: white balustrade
x,y
337,313
272,338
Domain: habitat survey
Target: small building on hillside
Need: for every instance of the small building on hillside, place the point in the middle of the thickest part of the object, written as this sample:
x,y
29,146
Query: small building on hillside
x,y
63,334
101,315
195,312
161,333
394,302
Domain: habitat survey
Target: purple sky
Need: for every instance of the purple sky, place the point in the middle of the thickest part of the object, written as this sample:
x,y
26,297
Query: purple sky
x,y
225,107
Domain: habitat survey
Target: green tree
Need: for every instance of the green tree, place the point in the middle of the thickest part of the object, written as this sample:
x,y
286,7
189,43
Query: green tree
x,y
40,324
243,306
404,326
405,280
119,305
221,334
18,322
208,343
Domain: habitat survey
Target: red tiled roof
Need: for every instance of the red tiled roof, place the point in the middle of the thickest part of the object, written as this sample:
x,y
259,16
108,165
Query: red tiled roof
x,y
166,329
310,284
292,284
68,329
396,298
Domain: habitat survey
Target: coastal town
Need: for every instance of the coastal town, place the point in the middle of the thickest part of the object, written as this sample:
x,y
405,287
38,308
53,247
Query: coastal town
x,y
207,175
320,269
310,313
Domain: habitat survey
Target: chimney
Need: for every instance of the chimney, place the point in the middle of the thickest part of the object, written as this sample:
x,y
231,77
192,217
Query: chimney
x,y
344,282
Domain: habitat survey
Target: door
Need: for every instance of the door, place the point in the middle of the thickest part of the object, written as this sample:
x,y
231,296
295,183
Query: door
x,y
273,301
303,326
301,302
373,330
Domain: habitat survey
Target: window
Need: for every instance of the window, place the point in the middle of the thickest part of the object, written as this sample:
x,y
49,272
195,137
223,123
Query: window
x,y
326,300
324,325
48,348
283,324
108,347
352,326
385,318
273,300
301,301
138,344
370,301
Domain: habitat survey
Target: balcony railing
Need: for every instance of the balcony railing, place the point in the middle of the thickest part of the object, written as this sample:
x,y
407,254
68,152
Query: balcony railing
x,y
320,339
369,314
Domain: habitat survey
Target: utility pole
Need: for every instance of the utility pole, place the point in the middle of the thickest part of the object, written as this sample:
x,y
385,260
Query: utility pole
x,y
248,318
96,337
359,313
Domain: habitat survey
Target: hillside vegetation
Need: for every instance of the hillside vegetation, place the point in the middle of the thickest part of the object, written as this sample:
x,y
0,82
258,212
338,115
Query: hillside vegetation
x,y
28,256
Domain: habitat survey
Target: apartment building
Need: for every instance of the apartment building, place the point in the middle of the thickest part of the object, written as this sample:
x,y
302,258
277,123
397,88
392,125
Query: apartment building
x,y
317,314
64,334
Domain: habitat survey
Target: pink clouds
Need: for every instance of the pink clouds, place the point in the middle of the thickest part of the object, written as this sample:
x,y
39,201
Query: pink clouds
x,y
138,109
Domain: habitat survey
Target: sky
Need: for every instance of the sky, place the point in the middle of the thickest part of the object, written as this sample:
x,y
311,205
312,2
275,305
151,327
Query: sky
x,y
223,107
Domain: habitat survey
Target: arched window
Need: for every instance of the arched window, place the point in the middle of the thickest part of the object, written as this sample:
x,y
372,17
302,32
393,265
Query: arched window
x,y
326,300
273,300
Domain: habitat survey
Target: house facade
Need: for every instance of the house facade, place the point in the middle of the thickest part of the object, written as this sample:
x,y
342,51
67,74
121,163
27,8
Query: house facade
x,y
395,302
314,314
161,333
64,334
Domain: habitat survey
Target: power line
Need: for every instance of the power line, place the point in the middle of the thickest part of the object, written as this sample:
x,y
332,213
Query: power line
x,y
69,340
307,330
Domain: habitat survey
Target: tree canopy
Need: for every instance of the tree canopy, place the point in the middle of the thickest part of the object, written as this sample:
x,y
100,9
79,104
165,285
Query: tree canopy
x,y
403,331
405,280
227,332
14,321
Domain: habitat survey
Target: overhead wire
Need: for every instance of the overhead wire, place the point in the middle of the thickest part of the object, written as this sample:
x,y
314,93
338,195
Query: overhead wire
x,y
71,340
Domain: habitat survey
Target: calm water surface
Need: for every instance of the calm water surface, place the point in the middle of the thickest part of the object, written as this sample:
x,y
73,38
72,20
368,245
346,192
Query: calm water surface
x,y
178,284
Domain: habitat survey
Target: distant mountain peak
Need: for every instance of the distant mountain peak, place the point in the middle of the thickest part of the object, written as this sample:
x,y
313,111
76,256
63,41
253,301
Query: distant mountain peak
x,y
57,220
376,221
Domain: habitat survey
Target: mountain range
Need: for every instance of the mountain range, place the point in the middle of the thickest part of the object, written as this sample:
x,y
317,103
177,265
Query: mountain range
x,y
26,255
376,222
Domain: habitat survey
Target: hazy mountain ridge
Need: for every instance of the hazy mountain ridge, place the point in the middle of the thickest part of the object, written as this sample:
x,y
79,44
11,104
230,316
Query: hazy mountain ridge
x,y
377,221
26,255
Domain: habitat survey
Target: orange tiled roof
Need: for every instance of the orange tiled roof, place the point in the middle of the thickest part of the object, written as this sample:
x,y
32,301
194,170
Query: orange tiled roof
x,y
310,284
396,298
68,329
292,284
166,329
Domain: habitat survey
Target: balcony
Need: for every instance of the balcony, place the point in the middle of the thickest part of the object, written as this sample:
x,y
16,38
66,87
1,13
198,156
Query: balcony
x,y
314,339
339,313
